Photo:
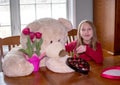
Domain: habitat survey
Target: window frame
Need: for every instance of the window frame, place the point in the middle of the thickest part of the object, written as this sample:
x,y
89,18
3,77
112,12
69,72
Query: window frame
x,y
15,15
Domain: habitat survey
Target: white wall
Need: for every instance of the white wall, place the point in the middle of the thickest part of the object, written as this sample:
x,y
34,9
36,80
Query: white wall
x,y
84,10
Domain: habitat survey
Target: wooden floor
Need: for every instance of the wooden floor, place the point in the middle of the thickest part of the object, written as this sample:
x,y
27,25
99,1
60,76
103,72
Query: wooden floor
x,y
46,77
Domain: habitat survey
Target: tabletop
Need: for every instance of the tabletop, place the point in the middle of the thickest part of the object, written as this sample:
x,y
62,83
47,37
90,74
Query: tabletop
x,y
47,77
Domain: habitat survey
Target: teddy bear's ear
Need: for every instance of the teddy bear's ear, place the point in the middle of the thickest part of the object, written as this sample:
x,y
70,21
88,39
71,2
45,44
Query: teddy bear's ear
x,y
66,23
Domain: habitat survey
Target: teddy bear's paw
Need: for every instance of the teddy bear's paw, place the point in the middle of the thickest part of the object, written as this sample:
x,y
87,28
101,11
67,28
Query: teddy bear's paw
x,y
56,65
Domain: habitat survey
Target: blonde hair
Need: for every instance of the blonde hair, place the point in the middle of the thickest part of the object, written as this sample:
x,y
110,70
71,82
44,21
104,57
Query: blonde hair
x,y
94,38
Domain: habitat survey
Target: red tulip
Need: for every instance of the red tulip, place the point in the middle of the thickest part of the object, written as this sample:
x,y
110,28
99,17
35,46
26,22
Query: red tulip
x,y
38,35
26,31
32,35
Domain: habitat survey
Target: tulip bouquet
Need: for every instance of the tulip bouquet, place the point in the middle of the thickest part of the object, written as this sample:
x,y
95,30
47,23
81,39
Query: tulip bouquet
x,y
32,51
34,42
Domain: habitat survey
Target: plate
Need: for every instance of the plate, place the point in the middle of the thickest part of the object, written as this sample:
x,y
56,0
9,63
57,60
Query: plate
x,y
111,72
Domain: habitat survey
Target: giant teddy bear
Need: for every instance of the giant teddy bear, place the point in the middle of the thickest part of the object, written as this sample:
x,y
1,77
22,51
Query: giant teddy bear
x,y
54,34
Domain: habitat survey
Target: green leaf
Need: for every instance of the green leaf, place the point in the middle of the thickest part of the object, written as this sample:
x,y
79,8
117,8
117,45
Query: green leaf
x,y
26,51
32,47
29,46
38,46
29,52
23,50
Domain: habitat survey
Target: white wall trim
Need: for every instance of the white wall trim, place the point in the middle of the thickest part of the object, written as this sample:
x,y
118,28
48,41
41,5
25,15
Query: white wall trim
x,y
71,11
15,17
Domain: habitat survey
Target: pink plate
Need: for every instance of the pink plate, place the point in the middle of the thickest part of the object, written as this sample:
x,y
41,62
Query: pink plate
x,y
111,72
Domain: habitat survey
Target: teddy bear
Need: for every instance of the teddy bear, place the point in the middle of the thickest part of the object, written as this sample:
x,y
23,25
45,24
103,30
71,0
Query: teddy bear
x,y
54,34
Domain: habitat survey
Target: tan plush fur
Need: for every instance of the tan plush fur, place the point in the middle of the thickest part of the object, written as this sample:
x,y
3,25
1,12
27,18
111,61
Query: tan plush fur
x,y
53,31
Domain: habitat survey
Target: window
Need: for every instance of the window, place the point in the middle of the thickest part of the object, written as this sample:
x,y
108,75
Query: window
x,y
34,9
16,14
5,29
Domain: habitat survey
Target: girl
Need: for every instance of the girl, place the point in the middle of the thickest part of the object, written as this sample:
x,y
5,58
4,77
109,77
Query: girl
x,y
86,46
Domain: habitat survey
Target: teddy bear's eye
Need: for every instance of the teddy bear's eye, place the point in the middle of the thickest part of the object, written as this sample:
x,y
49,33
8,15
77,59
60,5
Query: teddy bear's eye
x,y
51,41
59,40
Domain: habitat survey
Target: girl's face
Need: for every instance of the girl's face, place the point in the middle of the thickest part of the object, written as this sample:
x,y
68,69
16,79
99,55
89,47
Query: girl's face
x,y
86,33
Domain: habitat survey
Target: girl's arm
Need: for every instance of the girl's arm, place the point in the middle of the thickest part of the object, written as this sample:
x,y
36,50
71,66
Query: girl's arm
x,y
70,47
96,55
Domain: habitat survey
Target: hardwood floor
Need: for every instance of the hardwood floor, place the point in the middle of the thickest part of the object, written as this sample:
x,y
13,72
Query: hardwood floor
x,y
47,77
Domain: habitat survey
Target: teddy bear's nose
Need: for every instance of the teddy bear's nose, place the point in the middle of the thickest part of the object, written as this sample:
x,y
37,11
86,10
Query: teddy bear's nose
x,y
51,41
59,40
63,53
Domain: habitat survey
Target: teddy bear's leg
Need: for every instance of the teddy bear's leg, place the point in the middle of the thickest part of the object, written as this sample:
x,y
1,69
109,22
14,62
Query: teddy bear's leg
x,y
14,64
58,65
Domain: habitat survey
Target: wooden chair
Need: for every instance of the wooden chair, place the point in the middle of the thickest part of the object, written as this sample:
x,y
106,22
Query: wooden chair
x,y
9,42
72,34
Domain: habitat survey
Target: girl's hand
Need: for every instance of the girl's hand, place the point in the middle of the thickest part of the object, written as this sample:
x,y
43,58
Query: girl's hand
x,y
81,49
